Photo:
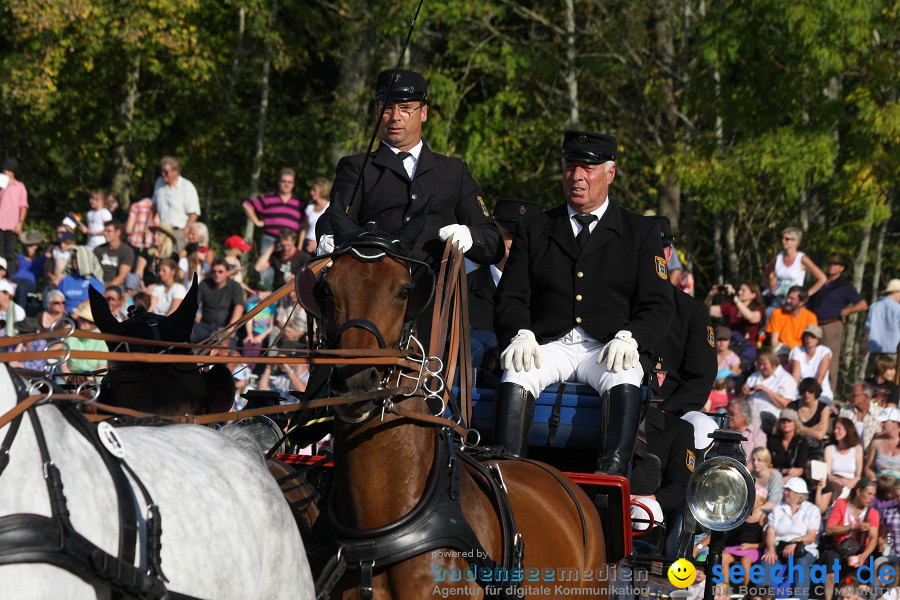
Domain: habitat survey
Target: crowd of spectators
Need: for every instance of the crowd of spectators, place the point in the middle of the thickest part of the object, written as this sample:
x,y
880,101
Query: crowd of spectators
x,y
149,256
826,463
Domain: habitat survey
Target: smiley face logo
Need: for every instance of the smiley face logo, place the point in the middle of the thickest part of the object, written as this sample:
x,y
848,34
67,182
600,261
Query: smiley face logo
x,y
682,573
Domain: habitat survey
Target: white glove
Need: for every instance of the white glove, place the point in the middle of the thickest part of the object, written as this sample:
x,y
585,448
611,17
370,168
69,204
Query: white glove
x,y
621,353
521,351
326,245
460,234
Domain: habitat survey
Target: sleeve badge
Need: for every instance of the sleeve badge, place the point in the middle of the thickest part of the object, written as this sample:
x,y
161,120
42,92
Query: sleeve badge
x,y
662,268
690,460
711,336
484,209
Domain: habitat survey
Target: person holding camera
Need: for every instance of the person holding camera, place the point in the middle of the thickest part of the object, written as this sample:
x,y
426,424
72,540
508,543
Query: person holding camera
x,y
284,258
742,311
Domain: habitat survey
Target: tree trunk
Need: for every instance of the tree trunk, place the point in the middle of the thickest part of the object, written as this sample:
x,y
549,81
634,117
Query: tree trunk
x,y
261,125
571,75
879,253
664,41
226,104
121,181
850,352
354,88
717,245
733,269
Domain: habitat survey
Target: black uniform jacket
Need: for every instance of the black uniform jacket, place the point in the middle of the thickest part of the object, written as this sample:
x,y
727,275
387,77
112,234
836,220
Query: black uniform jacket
x,y
672,440
389,198
481,288
688,351
617,281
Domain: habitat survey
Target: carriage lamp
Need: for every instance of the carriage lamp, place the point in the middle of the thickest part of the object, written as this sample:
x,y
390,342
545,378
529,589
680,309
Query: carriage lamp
x,y
721,491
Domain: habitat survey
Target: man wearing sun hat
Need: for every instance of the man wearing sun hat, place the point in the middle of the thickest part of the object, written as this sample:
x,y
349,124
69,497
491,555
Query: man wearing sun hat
x,y
832,304
402,175
585,290
884,321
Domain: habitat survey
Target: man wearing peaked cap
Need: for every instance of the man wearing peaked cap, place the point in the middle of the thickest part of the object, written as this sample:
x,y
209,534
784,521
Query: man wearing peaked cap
x,y
585,290
482,282
688,350
403,174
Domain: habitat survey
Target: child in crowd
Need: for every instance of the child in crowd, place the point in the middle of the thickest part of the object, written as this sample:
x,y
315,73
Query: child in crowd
x,y
96,218
259,327
726,358
719,397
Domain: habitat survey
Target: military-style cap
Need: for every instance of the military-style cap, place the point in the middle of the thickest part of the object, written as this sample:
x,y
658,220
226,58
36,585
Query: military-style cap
x,y
665,229
408,85
586,147
509,212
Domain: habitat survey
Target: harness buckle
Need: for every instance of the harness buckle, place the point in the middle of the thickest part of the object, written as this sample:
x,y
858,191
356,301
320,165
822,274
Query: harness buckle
x,y
45,468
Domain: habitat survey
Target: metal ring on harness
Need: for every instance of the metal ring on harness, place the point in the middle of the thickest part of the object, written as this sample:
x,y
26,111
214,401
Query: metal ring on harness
x,y
464,441
92,387
38,385
64,321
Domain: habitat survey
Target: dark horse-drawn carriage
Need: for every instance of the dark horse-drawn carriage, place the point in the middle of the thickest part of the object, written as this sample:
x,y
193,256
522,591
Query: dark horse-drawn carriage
x,y
411,503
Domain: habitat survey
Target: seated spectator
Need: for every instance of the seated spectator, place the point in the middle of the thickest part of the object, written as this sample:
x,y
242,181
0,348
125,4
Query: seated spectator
x,y
863,412
767,476
742,421
812,359
284,258
792,531
221,302
884,494
148,261
10,312
742,312
815,417
718,397
770,388
115,208
284,378
84,320
56,309
844,458
168,293
885,390
115,256
199,234
745,542
83,271
115,298
30,268
788,322
290,323
883,455
260,326
788,448
726,358
890,523
58,256
853,529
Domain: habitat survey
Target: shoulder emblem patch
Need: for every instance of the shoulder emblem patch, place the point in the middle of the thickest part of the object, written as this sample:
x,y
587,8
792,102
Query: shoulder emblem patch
x,y
711,336
662,268
690,460
484,209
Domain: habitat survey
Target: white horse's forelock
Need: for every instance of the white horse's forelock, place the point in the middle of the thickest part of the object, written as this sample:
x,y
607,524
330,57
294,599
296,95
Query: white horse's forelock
x,y
227,531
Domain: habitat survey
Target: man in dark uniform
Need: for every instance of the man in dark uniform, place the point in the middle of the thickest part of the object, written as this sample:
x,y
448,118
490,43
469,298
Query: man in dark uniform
x,y
585,289
482,282
403,174
688,349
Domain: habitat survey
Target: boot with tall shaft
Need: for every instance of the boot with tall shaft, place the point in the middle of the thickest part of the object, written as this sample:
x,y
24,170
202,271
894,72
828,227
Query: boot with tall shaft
x,y
513,414
622,417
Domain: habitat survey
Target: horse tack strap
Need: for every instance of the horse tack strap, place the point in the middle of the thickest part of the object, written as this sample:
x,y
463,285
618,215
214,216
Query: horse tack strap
x,y
226,331
425,418
30,401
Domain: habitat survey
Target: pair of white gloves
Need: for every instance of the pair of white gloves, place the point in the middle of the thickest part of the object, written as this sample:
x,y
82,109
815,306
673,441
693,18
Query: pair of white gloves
x,y
460,233
620,354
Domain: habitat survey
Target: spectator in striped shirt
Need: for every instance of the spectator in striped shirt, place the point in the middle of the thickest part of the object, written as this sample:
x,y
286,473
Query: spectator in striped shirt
x,y
274,212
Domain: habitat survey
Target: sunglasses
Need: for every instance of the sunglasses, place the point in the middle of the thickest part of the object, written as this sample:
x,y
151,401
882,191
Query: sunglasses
x,y
56,302
788,238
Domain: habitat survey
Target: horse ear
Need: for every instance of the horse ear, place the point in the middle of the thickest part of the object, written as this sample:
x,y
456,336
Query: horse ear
x,y
183,317
409,233
342,225
103,317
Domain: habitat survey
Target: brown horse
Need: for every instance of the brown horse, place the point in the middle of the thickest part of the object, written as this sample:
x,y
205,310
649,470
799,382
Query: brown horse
x,y
160,388
384,463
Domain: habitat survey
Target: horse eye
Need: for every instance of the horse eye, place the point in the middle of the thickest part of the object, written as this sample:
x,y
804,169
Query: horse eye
x,y
404,292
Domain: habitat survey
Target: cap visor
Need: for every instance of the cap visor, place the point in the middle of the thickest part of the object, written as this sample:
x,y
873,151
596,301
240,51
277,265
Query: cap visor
x,y
585,157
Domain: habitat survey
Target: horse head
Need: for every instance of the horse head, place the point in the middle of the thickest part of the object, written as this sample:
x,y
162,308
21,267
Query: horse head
x,y
144,325
369,293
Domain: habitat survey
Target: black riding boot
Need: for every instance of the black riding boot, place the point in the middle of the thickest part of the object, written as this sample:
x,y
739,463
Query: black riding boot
x,y
513,414
622,417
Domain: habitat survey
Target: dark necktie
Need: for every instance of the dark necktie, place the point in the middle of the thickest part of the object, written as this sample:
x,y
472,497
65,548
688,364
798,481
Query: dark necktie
x,y
585,233
403,156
